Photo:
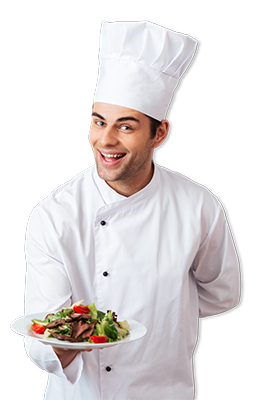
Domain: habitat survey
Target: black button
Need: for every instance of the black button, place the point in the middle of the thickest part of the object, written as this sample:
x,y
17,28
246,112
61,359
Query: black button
x,y
103,223
108,369
105,273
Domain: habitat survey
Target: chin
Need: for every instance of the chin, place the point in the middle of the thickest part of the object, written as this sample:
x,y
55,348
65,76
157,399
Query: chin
x,y
105,175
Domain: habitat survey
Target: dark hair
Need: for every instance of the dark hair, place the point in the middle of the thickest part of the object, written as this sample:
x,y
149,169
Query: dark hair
x,y
154,124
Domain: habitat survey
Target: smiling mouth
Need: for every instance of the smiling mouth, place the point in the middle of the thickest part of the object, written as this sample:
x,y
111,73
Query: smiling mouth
x,y
112,157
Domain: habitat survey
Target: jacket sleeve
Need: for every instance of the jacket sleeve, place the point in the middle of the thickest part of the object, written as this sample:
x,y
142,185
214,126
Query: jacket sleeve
x,y
47,290
216,269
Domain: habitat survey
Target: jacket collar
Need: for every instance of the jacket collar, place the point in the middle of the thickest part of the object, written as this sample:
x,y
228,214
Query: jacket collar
x,y
110,196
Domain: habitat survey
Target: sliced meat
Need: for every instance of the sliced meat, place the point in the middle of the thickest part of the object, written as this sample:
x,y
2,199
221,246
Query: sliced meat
x,y
55,323
79,328
78,317
49,315
74,328
58,322
65,337
89,331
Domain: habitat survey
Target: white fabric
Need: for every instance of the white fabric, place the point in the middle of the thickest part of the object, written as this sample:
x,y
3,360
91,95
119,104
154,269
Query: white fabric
x,y
170,259
141,64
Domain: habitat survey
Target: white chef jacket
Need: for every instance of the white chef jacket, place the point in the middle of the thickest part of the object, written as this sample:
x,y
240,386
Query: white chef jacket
x,y
170,259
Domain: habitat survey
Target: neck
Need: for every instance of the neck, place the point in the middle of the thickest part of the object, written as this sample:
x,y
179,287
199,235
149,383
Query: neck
x,y
133,185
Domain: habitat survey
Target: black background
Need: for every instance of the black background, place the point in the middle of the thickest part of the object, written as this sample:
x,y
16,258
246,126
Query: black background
x,y
56,62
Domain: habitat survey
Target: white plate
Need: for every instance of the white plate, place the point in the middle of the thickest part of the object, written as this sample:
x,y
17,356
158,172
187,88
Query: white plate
x,y
22,327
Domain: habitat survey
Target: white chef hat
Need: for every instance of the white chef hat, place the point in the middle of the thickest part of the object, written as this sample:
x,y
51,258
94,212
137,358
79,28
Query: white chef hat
x,y
141,64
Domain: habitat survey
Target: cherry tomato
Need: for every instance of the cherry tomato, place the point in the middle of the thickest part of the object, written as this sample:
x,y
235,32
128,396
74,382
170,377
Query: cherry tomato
x,y
98,338
37,328
81,309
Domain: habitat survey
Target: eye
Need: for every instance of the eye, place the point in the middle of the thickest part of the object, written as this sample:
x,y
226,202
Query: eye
x,y
125,128
100,123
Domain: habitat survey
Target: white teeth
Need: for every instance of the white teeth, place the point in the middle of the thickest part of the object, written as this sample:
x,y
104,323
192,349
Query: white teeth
x,y
111,155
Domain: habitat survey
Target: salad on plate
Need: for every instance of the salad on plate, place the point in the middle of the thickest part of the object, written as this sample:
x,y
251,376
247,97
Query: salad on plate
x,y
82,323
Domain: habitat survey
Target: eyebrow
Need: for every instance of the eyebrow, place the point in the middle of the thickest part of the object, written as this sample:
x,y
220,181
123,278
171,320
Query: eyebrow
x,y
122,119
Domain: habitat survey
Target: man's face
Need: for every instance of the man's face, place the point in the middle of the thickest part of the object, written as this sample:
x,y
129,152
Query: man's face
x,y
122,144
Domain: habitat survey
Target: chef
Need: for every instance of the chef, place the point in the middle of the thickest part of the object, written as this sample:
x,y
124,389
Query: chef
x,y
131,236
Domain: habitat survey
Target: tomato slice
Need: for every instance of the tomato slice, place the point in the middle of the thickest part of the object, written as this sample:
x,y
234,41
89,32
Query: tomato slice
x,y
98,338
37,328
81,309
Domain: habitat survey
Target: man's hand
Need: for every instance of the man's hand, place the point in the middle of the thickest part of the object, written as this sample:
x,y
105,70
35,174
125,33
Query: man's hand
x,y
66,356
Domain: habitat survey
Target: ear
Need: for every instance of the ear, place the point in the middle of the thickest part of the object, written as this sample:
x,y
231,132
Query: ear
x,y
161,133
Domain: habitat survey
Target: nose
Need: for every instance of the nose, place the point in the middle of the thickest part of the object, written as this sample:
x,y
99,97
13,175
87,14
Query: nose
x,y
109,137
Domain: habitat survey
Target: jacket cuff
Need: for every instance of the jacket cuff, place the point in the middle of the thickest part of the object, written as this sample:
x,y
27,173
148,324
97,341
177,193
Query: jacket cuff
x,y
73,371
45,357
